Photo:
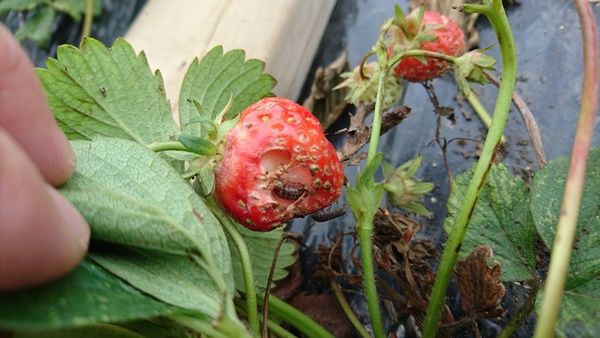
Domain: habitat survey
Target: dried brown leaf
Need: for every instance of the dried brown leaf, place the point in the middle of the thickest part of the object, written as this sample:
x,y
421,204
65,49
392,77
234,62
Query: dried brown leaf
x,y
359,133
324,102
479,284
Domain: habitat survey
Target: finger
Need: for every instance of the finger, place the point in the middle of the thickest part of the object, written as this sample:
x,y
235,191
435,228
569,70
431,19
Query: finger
x,y
42,236
26,116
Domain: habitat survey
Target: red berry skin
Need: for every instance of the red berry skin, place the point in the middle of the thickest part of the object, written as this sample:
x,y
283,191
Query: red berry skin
x,y
450,40
277,164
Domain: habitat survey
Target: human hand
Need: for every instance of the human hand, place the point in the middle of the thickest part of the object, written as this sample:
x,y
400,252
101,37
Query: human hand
x,y
42,236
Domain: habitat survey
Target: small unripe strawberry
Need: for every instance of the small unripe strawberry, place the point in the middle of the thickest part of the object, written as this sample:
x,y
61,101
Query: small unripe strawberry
x,y
436,33
277,164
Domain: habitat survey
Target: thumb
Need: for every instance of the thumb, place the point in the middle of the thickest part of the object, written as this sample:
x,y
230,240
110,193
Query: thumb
x,y
42,236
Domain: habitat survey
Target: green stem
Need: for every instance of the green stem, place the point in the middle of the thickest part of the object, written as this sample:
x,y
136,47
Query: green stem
x,y
197,325
250,288
376,126
87,19
365,225
569,211
297,319
494,11
348,311
273,326
480,110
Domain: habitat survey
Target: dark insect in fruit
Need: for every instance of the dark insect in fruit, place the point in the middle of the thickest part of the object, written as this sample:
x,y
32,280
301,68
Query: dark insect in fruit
x,y
327,214
290,190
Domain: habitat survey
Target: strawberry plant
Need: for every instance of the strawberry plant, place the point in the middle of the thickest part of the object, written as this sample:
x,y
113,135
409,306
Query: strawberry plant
x,y
188,219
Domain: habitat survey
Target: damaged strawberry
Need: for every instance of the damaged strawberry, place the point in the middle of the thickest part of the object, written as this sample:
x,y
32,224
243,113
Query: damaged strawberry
x,y
276,165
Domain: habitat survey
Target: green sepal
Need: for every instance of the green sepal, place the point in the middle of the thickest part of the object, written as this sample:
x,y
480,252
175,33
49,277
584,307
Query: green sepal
x,y
197,145
398,15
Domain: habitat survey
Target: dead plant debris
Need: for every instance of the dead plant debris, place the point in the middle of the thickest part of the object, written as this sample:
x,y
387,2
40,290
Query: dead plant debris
x,y
479,284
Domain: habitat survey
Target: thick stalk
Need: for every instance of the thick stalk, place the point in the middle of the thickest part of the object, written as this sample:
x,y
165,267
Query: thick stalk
x,y
494,11
569,211
242,249
365,225
297,319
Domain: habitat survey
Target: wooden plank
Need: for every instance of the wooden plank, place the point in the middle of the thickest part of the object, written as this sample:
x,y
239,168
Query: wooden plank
x,y
283,33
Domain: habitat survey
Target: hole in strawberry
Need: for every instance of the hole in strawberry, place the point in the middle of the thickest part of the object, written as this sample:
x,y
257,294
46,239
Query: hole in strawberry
x,y
273,159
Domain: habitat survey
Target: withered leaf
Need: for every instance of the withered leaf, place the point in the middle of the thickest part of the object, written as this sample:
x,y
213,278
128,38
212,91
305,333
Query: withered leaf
x,y
323,101
359,133
479,284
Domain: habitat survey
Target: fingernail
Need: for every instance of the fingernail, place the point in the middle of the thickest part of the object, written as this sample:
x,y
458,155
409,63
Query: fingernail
x,y
74,222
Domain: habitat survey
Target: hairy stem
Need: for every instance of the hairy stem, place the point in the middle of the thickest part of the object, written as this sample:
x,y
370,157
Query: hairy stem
x,y
339,295
365,225
569,211
494,11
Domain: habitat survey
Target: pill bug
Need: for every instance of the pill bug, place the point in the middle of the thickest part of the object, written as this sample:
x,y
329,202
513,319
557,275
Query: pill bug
x,y
290,190
327,214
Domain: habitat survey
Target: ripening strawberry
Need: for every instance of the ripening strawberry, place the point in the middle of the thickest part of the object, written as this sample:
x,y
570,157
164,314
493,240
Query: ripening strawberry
x,y
437,33
277,164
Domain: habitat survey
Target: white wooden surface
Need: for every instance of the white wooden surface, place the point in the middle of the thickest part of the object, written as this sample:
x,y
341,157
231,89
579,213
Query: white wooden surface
x,y
283,33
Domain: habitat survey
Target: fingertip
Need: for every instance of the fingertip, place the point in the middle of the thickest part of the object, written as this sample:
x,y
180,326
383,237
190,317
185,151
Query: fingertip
x,y
25,113
42,236
74,223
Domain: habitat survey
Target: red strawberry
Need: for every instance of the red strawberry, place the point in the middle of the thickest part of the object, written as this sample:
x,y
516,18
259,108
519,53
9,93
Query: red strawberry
x,y
437,33
277,165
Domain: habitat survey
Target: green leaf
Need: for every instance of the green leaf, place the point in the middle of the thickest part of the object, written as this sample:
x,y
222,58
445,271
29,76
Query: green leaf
x,y
215,79
38,28
19,5
261,247
579,310
75,8
546,198
501,219
581,299
95,91
366,197
113,172
86,296
198,145
93,331
173,279
129,196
